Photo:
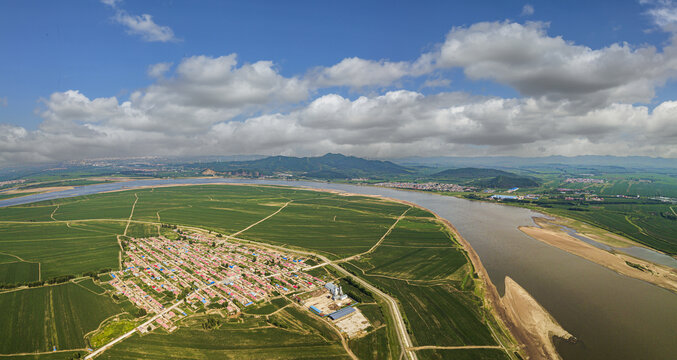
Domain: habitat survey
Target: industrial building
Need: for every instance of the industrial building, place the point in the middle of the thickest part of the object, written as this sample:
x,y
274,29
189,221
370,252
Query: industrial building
x,y
341,313
335,291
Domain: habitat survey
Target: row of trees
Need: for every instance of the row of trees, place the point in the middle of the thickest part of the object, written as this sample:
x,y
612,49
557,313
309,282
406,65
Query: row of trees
x,y
55,280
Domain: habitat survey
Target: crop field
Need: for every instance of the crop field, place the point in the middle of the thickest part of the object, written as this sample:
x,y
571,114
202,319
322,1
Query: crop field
x,y
252,339
416,249
224,208
141,230
44,317
462,354
18,271
415,263
372,346
439,314
63,249
421,265
335,225
421,232
89,284
60,355
637,221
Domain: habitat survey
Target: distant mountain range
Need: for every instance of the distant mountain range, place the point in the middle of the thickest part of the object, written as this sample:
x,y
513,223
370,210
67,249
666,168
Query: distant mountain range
x,y
608,163
485,178
337,166
329,166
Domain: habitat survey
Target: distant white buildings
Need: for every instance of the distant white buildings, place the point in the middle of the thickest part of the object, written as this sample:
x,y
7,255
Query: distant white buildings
x,y
584,181
427,186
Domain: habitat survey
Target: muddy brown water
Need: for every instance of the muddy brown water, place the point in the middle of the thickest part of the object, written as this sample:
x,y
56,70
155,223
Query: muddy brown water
x,y
613,316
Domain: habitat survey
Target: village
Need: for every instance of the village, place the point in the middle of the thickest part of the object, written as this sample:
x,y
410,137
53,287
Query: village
x,y
206,272
429,186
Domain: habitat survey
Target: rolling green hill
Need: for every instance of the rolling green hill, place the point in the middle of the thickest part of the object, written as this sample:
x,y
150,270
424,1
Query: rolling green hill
x,y
485,178
329,166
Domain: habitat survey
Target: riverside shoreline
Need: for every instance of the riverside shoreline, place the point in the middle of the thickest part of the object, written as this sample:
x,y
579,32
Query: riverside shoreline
x,y
620,263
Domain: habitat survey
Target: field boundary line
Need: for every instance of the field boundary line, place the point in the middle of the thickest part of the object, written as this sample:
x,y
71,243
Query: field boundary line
x,y
42,353
673,211
641,231
390,229
78,284
20,259
131,214
54,212
260,221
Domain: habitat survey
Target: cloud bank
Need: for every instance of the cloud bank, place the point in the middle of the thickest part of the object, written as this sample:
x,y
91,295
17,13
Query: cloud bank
x,y
574,100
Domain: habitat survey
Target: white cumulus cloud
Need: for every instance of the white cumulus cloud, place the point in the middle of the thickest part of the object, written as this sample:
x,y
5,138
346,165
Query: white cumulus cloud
x,y
144,26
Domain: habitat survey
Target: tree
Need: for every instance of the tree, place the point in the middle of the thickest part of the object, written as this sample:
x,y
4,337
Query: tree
x,y
141,313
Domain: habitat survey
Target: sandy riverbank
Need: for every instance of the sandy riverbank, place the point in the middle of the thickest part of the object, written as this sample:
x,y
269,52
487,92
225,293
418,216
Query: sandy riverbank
x,y
551,234
38,190
536,323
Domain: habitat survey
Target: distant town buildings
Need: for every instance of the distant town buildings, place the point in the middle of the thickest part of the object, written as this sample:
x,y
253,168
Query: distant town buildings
x,y
12,182
428,186
584,181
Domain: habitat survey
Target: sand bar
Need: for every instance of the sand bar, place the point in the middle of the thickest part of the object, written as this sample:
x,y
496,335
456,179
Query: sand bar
x,y
627,265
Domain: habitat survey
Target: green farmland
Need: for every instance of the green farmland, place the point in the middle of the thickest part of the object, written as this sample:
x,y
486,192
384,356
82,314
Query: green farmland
x,y
51,316
19,271
253,338
418,262
421,265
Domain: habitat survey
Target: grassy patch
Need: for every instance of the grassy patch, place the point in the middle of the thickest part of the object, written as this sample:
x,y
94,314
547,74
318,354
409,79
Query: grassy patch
x,y
110,331
266,308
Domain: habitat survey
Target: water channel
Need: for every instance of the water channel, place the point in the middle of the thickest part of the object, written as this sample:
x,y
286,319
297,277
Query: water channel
x,y
613,316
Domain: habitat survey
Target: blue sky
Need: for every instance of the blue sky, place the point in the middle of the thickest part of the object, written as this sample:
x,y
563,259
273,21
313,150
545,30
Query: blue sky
x,y
52,47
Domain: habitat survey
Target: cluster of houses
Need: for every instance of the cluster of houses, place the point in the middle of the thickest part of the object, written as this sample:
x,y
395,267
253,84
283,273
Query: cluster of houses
x,y
584,181
427,186
209,272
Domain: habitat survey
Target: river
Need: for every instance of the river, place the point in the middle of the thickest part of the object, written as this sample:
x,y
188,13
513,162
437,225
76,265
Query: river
x,y
613,316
